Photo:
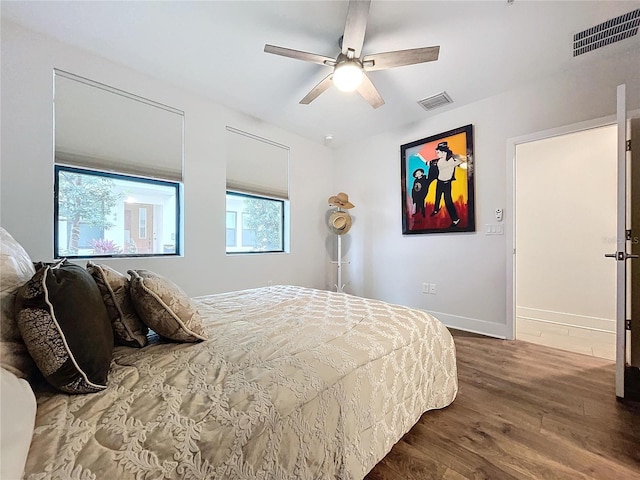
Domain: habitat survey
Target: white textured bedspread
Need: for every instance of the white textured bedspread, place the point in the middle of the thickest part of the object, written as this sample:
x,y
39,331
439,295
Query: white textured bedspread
x,y
294,383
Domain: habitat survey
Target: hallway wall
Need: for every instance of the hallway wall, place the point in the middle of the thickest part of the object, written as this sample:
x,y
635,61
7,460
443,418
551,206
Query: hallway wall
x,y
566,191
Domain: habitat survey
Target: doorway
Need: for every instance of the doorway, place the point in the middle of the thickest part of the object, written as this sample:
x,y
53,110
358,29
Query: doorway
x,y
139,226
564,215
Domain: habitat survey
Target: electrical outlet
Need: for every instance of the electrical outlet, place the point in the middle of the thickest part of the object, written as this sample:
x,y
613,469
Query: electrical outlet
x,y
425,288
499,214
432,288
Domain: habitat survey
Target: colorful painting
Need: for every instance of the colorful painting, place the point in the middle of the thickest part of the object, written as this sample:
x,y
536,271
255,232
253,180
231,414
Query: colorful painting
x,y
437,183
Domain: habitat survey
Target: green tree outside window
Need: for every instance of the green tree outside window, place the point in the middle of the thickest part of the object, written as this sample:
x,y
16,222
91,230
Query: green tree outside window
x,y
85,199
265,217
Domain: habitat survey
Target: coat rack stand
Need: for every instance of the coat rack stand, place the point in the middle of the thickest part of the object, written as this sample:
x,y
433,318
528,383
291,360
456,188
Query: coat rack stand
x,y
340,286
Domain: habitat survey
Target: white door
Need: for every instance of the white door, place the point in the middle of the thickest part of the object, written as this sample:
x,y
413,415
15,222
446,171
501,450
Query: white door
x,y
622,256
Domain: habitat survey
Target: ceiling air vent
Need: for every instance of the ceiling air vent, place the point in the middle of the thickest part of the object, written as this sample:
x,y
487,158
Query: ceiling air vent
x,y
606,33
435,101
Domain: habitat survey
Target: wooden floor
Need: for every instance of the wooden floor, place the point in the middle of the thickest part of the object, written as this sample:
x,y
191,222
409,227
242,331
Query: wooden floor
x,y
522,411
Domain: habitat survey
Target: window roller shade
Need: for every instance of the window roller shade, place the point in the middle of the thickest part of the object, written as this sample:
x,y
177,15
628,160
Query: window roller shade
x,y
256,165
103,128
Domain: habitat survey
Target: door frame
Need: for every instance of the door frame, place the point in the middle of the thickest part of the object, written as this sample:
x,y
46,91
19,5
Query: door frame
x,y
510,220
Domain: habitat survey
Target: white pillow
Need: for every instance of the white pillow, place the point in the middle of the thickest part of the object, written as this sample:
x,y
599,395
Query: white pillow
x,y
15,269
17,417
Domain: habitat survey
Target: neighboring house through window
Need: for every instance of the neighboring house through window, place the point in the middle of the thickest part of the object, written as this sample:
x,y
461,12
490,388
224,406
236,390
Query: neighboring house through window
x,y
254,224
232,228
249,228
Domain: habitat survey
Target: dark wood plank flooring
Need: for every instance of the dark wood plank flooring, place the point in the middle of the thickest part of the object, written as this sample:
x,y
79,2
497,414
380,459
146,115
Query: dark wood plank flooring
x,y
523,411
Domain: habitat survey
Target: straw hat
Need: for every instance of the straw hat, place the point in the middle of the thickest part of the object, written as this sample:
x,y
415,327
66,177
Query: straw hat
x,y
339,222
341,200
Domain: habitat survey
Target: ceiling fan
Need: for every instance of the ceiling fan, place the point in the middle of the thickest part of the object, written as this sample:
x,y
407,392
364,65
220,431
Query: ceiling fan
x,y
349,67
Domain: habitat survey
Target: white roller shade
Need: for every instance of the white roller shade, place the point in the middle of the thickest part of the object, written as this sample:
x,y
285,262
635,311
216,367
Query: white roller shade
x,y
257,165
100,127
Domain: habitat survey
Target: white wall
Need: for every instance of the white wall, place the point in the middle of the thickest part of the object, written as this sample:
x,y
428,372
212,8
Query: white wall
x,y
566,192
469,269
26,209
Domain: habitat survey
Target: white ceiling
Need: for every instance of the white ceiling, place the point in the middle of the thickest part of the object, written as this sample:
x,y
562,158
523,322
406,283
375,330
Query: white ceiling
x,y
215,48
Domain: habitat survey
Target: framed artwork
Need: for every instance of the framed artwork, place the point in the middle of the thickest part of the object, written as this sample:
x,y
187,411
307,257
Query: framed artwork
x,y
437,183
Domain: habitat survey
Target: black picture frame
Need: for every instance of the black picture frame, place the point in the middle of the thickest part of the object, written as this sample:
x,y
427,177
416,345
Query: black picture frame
x,y
437,178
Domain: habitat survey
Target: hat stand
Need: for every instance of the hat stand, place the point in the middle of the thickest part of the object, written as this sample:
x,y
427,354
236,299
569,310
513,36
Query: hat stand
x,y
340,286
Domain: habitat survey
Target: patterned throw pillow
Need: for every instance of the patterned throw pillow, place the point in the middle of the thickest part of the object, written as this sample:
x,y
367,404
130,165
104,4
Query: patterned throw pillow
x,y
128,329
65,326
165,307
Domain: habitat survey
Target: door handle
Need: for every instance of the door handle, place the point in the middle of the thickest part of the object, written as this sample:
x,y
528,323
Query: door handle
x,y
620,256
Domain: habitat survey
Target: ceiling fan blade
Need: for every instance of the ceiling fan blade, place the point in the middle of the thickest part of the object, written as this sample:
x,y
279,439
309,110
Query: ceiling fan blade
x,y
317,90
299,55
355,26
400,58
368,90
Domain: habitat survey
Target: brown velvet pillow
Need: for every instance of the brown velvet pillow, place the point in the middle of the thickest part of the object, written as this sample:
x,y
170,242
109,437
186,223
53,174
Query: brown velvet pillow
x,y
165,307
65,326
128,329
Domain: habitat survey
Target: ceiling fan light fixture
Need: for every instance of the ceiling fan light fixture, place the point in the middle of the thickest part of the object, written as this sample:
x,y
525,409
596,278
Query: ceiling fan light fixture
x,y
350,67
347,76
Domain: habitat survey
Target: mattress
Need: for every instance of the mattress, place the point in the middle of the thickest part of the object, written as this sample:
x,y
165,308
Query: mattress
x,y
293,383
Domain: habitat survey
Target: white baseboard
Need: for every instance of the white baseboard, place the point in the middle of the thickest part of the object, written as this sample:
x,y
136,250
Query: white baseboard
x,y
568,319
491,329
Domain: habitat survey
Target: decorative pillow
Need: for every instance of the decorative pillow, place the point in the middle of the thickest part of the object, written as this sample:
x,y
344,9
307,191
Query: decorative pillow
x,y
128,329
165,307
15,269
65,325
17,416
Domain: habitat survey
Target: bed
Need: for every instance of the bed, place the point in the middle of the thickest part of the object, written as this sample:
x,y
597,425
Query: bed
x,y
292,383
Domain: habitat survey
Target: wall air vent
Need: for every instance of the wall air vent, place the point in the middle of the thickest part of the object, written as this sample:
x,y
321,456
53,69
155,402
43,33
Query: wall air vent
x,y
606,33
435,101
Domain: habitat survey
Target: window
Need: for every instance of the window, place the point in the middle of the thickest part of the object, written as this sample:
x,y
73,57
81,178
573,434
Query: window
x,y
107,214
231,229
257,193
142,222
262,228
